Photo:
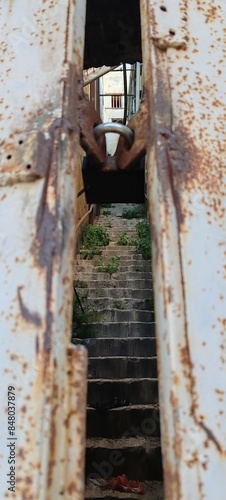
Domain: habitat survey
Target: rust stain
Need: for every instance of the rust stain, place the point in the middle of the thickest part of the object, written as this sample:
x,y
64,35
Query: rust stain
x,y
53,436
30,317
210,436
37,347
72,488
46,244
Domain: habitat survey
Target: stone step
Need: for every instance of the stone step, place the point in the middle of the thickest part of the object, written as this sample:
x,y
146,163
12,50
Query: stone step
x,y
114,244
98,275
121,224
138,458
136,346
135,257
101,304
118,293
124,266
117,221
105,280
154,492
120,367
119,250
111,222
115,234
132,391
119,315
124,329
126,421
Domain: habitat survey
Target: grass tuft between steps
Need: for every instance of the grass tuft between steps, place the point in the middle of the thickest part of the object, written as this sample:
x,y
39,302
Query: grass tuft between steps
x,y
82,316
108,266
94,238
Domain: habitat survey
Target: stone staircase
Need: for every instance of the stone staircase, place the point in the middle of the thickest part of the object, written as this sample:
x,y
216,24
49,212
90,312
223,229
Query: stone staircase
x,y
123,430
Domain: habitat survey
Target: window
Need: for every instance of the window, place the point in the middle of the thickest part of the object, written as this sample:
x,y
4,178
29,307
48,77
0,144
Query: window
x,y
116,101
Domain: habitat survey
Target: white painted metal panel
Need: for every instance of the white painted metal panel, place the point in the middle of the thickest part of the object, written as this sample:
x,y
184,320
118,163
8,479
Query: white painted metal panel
x,y
41,45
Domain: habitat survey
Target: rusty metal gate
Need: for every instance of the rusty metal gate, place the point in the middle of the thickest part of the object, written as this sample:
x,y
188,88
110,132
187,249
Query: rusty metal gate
x,y
43,377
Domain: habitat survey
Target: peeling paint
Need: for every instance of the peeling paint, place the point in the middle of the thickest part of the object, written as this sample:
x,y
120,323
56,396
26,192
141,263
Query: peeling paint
x,y
41,67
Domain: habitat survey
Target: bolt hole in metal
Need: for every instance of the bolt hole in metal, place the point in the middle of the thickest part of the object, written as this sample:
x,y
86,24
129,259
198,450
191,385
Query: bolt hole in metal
x,y
20,141
8,157
28,166
172,32
117,128
163,8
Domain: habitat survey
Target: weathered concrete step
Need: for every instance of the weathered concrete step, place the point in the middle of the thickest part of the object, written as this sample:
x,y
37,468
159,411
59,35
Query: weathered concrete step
x,y
131,257
113,283
114,243
119,250
119,315
117,235
126,421
125,266
154,492
124,329
123,226
133,391
120,367
98,275
105,303
117,221
111,292
138,458
119,347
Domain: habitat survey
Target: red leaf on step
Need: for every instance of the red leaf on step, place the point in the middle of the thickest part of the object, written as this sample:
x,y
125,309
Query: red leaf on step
x,y
123,480
122,483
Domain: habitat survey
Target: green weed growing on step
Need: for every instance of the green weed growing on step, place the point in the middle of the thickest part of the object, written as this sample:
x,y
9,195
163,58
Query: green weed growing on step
x,y
81,319
124,240
134,212
106,212
107,205
94,238
143,242
109,266
119,304
100,292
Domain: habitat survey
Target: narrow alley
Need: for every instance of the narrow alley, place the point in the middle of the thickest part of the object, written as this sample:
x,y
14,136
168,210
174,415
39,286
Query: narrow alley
x,y
123,428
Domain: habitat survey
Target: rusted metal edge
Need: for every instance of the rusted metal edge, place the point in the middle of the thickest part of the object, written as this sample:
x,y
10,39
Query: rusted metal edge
x,y
88,118
75,422
128,158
